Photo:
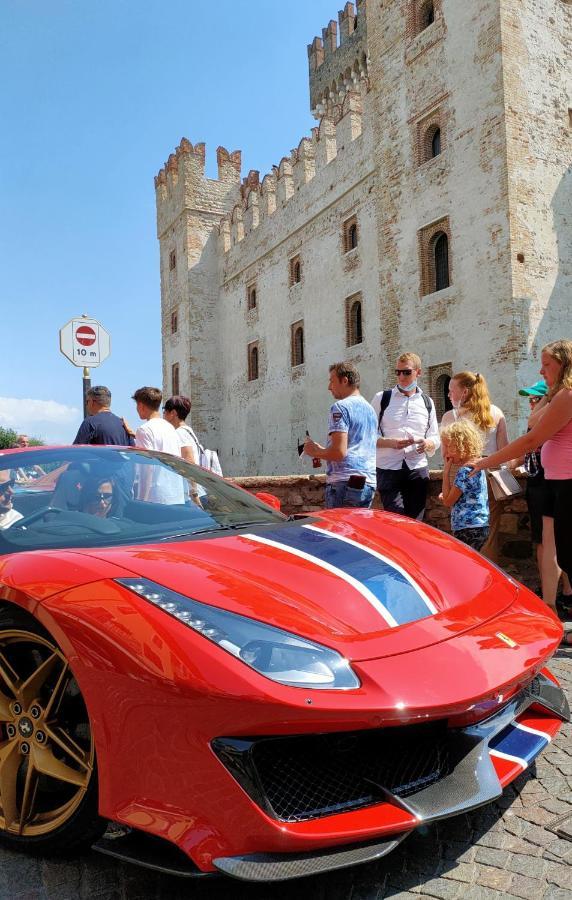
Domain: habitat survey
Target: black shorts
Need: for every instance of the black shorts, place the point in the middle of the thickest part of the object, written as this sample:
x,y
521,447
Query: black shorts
x,y
540,502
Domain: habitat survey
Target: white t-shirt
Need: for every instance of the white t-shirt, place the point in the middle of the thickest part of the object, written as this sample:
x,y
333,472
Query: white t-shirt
x,y
166,487
9,517
186,439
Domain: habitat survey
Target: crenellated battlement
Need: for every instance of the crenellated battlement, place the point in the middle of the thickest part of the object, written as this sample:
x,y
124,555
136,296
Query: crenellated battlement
x,y
261,199
181,183
336,66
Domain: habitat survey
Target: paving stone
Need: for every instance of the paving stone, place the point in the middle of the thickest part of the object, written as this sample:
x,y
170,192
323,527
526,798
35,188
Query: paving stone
x,y
527,888
532,867
464,872
441,888
492,857
561,876
498,879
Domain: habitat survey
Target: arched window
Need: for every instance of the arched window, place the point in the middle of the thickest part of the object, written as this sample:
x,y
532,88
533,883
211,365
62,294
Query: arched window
x,y
295,270
427,15
297,344
175,378
442,401
251,297
436,143
253,363
352,236
354,321
441,259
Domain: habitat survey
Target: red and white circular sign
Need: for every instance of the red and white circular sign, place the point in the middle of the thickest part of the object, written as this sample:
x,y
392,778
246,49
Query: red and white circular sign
x,y
85,335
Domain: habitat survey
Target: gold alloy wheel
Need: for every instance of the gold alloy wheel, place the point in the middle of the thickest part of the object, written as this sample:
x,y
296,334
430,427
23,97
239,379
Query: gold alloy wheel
x,y
46,748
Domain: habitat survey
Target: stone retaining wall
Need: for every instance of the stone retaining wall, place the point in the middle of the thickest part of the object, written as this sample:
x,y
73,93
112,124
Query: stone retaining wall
x,y
305,493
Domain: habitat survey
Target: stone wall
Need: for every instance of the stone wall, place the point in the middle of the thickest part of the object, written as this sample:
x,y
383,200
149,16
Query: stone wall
x,y
305,493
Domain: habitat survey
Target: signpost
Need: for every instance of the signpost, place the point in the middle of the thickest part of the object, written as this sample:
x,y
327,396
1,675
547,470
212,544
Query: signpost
x,y
86,344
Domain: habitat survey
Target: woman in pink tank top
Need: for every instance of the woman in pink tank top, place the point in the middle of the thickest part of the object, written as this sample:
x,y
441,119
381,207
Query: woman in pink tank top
x,y
552,429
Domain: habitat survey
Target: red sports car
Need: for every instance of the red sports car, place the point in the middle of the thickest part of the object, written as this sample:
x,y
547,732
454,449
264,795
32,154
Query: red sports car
x,y
243,692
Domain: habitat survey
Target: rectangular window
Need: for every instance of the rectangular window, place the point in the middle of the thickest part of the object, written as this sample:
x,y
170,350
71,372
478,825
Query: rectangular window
x,y
350,234
174,322
172,260
251,297
295,270
175,378
297,343
253,361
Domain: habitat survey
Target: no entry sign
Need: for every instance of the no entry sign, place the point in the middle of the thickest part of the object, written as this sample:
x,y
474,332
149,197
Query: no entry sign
x,y
85,342
85,335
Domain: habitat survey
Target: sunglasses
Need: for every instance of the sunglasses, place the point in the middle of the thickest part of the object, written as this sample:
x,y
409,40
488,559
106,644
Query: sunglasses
x,y
404,372
104,495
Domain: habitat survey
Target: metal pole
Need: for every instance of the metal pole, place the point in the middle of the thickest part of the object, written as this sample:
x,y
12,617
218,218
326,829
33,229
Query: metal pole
x,y
86,387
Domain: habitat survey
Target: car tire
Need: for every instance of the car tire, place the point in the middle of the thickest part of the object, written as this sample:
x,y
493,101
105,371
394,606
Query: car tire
x,y
48,770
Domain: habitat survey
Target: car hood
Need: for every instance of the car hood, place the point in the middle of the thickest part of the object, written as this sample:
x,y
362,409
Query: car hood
x,y
345,579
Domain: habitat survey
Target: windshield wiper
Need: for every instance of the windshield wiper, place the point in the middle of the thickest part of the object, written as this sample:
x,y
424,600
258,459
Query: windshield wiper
x,y
230,527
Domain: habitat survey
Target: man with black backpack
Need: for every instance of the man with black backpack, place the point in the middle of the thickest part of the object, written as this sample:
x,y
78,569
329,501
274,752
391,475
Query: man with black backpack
x,y
408,434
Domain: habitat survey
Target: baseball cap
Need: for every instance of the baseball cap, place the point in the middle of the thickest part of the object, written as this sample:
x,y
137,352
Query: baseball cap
x,y
538,389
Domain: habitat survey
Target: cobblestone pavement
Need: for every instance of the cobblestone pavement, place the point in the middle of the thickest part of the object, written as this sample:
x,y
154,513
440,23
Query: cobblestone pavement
x,y
503,850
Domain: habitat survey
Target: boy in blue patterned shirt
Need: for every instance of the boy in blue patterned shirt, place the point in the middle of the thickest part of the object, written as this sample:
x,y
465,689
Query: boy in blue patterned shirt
x,y
462,446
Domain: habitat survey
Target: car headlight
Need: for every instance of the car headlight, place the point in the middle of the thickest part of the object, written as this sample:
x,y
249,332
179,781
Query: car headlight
x,y
277,654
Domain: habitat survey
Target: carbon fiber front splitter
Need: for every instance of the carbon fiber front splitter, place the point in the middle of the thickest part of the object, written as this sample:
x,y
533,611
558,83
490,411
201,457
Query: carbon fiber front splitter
x,y
282,867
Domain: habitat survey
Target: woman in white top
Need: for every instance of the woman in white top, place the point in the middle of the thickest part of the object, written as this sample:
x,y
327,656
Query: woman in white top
x,y
470,398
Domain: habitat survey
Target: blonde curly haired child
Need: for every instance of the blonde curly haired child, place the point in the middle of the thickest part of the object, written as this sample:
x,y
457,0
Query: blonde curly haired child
x,y
462,445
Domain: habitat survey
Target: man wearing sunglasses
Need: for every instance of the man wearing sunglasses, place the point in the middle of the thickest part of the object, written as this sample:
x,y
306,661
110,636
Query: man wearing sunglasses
x,y
8,515
408,434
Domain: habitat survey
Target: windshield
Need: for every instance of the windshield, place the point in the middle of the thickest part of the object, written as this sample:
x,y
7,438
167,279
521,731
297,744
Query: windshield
x,y
106,496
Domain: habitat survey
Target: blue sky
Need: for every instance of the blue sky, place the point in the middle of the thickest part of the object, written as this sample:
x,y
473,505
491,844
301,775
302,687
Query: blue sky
x,y
96,94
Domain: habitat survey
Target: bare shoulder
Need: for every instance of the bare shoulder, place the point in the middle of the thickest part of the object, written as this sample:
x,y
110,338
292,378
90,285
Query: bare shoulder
x,y
448,418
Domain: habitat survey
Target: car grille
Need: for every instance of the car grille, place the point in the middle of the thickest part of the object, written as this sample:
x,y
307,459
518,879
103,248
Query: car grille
x,y
305,777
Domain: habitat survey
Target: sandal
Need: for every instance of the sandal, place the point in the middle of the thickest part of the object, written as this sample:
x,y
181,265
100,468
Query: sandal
x,y
567,636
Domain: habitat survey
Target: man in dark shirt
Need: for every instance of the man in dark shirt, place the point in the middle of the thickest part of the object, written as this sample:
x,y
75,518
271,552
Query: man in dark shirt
x,y
101,426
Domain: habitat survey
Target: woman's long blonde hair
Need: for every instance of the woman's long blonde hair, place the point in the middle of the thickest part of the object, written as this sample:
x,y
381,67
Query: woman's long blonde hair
x,y
478,402
561,351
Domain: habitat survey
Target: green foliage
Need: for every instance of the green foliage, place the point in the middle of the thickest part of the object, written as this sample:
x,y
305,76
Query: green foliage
x,y
8,438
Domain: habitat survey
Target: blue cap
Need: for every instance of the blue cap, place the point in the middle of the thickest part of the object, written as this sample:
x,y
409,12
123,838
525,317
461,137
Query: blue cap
x,y
538,389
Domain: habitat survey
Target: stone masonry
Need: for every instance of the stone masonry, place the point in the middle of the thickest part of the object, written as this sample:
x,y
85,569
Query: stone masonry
x,y
437,120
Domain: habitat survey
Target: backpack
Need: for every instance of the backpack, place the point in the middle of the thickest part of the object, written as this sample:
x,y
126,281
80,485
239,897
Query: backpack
x,y
208,459
386,397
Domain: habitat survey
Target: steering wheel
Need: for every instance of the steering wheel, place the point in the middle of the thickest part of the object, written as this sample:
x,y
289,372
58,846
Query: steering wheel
x,y
73,519
40,513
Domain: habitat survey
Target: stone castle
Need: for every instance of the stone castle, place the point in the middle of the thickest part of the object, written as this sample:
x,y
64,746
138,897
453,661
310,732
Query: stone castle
x,y
429,209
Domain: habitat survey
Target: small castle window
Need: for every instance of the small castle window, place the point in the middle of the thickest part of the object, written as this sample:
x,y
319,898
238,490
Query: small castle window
x,y
253,362
427,15
436,143
173,260
350,234
175,378
441,257
295,270
297,342
354,320
251,296
174,322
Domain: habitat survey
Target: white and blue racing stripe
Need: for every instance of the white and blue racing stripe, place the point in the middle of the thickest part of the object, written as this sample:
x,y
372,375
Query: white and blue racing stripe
x,y
387,588
519,743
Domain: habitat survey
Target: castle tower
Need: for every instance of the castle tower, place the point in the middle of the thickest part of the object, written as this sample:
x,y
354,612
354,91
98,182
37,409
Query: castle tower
x,y
189,209
472,146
